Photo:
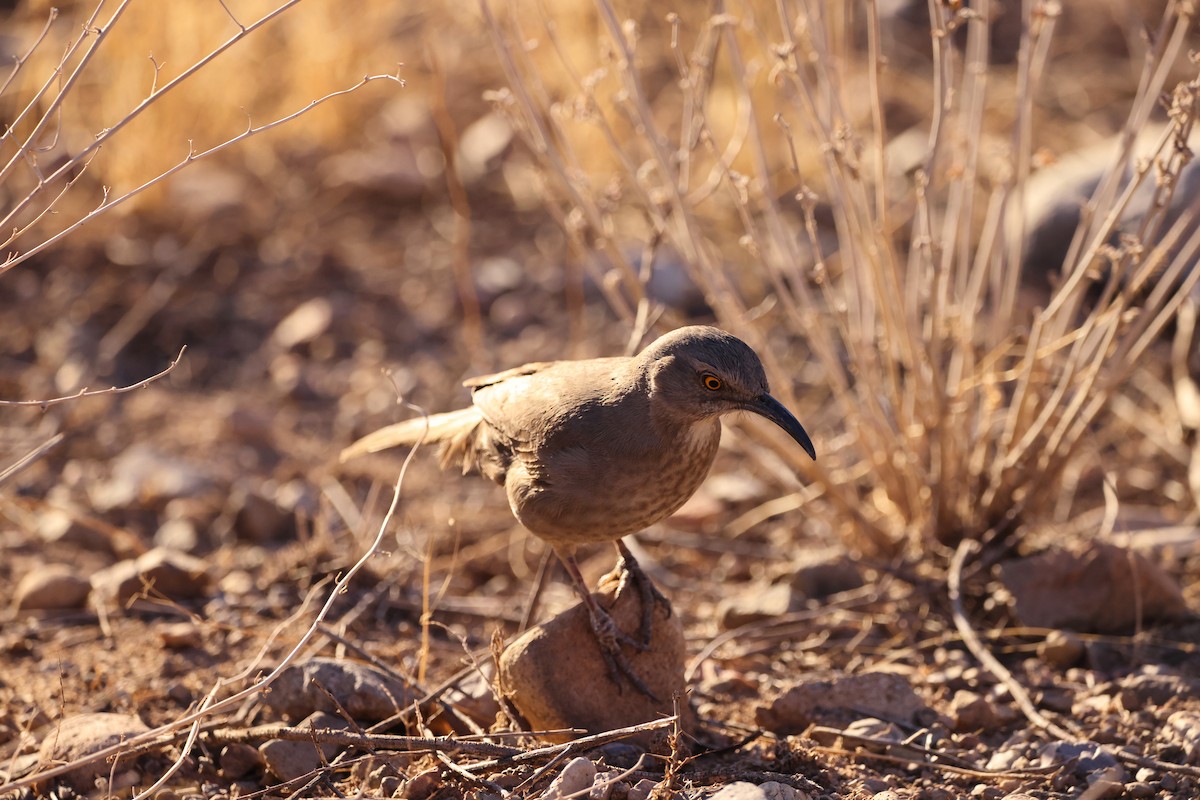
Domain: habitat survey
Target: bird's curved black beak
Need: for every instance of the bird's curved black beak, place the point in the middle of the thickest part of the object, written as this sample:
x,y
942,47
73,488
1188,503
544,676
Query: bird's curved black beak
x,y
766,406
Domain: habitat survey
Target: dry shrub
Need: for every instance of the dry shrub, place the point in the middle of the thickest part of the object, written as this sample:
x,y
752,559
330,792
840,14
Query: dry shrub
x,y
105,99
874,218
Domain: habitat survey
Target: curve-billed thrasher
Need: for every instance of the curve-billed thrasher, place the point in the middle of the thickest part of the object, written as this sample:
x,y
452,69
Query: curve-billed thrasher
x,y
590,451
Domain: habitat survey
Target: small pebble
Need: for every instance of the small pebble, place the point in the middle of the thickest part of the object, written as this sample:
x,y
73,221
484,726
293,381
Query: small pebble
x,y
641,790
75,737
180,635
171,573
364,691
1137,789
238,760
576,777
54,587
288,759
1061,649
422,785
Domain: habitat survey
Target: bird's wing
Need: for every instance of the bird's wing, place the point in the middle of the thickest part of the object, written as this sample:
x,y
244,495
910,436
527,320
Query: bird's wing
x,y
530,404
479,381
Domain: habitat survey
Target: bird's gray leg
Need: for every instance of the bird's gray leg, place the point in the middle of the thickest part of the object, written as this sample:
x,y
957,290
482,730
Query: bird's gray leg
x,y
651,596
608,635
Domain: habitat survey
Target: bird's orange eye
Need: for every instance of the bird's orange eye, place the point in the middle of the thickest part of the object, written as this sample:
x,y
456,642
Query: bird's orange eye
x,y
712,382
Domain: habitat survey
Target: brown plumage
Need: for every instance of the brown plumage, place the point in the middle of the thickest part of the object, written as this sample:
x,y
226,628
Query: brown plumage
x,y
593,450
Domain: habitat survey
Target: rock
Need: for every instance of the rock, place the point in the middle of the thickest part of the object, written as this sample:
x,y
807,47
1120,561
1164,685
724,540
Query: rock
x,y
1138,790
1054,698
1148,689
641,790
187,523
390,785
287,759
1057,194
177,534
575,779
555,676
1088,758
620,755
181,635
1005,760
238,760
874,729
844,697
481,144
422,785
1183,729
1099,589
758,602
260,520
306,322
771,790
144,476
604,784
826,574
815,577
975,713
54,587
364,691
1062,649
1105,784
497,275
237,582
79,736
57,526
782,791
176,575
475,697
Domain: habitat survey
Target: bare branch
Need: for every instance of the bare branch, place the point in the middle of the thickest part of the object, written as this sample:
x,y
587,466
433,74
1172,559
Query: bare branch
x,y
20,61
103,137
107,205
85,392
30,457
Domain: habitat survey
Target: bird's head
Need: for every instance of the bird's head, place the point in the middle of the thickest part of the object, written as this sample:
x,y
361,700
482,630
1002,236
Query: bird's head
x,y
697,373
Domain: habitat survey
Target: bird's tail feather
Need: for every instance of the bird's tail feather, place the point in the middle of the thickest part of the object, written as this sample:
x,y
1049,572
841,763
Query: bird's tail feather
x,y
447,427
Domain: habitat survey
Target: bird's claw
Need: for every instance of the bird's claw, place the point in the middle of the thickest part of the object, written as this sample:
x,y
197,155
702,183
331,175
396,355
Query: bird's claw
x,y
630,570
610,637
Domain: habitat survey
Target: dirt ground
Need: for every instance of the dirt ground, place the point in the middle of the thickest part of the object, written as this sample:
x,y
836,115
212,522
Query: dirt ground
x,y
306,308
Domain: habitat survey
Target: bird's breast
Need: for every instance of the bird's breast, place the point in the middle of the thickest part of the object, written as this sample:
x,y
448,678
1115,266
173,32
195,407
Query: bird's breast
x,y
601,493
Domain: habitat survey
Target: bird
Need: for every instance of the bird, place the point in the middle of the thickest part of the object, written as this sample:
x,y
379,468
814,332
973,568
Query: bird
x,y
593,450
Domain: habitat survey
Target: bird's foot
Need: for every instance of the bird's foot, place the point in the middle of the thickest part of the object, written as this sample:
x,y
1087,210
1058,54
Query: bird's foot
x,y
610,637
630,570
608,634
